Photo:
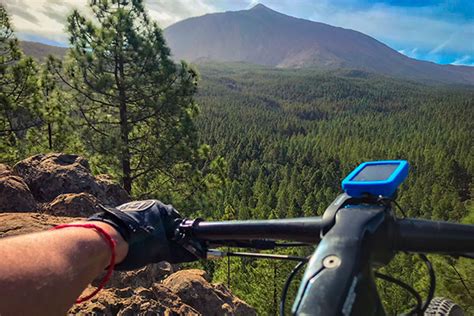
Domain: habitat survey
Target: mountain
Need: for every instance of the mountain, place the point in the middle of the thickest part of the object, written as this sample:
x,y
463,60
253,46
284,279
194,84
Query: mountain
x,y
266,37
41,51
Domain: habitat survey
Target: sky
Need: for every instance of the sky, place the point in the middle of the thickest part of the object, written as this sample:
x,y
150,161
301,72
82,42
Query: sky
x,y
437,31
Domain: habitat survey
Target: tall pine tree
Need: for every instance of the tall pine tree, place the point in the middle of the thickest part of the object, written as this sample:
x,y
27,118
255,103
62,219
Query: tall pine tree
x,y
19,93
137,103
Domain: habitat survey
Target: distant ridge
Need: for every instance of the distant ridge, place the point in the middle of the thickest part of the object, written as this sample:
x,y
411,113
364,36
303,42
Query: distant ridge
x,y
41,51
263,36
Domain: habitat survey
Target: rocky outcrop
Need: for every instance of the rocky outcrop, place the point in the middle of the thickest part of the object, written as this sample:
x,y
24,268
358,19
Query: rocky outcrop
x,y
47,190
73,204
12,224
157,300
111,192
51,175
144,277
5,170
15,196
153,290
186,292
194,289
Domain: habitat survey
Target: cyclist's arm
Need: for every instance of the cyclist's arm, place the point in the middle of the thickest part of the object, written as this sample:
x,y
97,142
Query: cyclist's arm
x,y
44,273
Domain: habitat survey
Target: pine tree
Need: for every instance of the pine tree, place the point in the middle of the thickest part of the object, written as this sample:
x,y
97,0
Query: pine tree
x,y
19,93
137,102
57,131
310,205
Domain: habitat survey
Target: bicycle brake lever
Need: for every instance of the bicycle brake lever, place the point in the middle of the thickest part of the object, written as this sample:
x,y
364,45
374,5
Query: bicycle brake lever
x,y
183,236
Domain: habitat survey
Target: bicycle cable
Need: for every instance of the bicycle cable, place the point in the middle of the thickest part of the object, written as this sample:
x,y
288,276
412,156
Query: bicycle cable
x,y
284,292
428,264
396,204
408,288
432,281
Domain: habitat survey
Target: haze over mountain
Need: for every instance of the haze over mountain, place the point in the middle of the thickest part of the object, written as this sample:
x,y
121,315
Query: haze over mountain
x,y
266,37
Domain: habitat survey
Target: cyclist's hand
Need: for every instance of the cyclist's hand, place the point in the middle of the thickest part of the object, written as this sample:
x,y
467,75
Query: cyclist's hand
x,y
148,227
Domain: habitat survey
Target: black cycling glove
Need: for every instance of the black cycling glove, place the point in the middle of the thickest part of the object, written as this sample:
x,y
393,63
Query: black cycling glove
x,y
148,227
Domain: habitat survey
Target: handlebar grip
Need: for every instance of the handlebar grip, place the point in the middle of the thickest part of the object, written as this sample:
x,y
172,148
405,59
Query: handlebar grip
x,y
295,229
415,235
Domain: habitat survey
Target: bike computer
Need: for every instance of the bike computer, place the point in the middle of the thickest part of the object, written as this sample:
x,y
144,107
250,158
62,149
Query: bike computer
x,y
376,178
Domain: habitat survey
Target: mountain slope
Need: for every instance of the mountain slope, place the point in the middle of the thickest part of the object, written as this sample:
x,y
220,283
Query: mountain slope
x,y
266,37
41,51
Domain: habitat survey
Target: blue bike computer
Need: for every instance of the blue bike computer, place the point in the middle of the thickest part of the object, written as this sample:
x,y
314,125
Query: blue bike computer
x,y
376,178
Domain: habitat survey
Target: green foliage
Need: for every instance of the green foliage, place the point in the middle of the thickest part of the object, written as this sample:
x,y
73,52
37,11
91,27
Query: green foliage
x,y
290,136
282,139
19,93
137,103
58,129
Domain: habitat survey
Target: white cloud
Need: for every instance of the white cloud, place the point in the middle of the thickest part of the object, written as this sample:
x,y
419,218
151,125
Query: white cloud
x,y
443,45
465,60
253,3
49,17
413,53
167,12
414,27
401,27
46,18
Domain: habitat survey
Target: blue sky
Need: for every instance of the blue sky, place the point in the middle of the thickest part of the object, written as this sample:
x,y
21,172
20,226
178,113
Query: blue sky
x,y
437,31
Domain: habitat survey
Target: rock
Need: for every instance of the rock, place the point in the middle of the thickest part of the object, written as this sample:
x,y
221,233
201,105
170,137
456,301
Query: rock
x,y
50,175
186,292
144,277
193,288
113,193
15,196
240,307
64,186
12,224
172,301
5,170
140,301
73,204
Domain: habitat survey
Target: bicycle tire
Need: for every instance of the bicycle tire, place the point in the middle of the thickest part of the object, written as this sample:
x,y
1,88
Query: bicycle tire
x,y
440,306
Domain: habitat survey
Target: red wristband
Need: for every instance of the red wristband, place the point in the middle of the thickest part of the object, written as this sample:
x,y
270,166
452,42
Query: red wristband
x,y
111,242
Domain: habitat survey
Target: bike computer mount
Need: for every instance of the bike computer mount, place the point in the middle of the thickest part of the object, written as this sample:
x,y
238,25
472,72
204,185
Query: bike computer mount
x,y
376,178
373,182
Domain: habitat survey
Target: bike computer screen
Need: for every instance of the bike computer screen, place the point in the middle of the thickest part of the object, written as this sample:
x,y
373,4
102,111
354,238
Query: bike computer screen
x,y
376,178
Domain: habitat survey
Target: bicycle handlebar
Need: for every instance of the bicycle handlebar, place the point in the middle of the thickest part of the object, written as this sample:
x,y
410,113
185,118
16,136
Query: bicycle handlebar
x,y
296,229
416,235
411,235
351,239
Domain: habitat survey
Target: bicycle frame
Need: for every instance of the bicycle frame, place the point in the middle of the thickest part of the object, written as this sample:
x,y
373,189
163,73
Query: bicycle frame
x,y
338,279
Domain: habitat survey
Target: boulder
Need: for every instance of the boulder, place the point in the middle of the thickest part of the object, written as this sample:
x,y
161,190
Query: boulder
x,y
12,224
15,196
194,289
50,175
144,277
5,170
139,301
73,204
111,192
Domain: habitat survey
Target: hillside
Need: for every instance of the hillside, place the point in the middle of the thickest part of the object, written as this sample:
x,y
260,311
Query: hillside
x,y
41,51
266,37
290,135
